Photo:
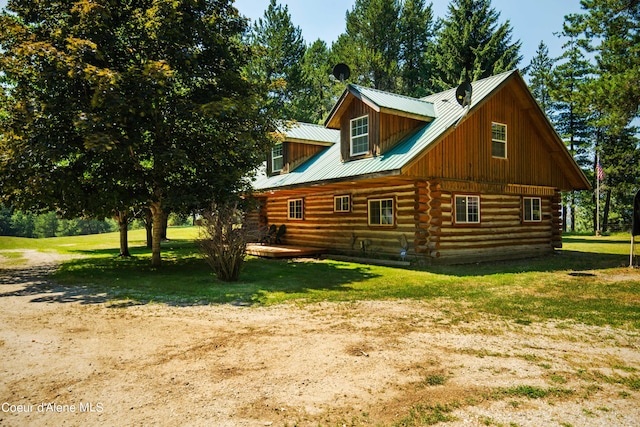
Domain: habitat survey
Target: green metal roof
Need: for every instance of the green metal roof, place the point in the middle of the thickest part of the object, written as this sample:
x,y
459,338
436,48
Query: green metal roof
x,y
327,165
395,102
309,132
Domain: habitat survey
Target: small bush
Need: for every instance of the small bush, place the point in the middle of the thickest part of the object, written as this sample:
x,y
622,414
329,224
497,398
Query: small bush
x,y
223,241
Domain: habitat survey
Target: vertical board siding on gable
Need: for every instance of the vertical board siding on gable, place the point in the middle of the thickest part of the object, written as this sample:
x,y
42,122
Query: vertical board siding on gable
x,y
357,109
344,232
393,129
466,153
298,153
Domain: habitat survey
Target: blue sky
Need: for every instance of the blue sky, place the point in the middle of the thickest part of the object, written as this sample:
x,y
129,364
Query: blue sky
x,y
532,20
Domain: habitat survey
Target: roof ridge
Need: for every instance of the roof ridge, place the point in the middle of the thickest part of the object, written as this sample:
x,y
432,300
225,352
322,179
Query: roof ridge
x,y
387,93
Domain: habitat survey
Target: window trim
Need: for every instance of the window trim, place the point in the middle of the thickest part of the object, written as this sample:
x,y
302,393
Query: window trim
x,y
351,136
295,217
379,200
281,157
532,219
455,209
499,141
342,197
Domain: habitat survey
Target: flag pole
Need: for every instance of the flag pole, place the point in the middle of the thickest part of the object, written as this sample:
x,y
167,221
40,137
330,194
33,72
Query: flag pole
x,y
597,194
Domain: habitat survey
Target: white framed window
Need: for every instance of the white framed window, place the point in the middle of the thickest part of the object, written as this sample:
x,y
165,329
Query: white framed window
x,y
467,209
532,209
381,212
342,203
296,209
360,136
277,158
499,140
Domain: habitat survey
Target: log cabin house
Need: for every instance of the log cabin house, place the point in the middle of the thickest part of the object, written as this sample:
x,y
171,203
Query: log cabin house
x,y
393,176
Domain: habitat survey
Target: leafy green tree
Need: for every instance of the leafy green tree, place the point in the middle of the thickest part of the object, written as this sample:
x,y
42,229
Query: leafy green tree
x,y
416,32
471,44
46,225
278,64
120,104
540,71
374,40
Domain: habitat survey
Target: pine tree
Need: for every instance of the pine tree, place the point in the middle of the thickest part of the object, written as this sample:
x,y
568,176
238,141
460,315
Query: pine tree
x,y
372,27
416,28
321,91
611,29
573,118
471,45
541,71
280,51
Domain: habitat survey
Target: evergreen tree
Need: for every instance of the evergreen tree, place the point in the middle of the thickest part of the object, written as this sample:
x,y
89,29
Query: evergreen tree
x,y
472,45
280,51
416,28
611,29
373,30
321,91
541,71
573,119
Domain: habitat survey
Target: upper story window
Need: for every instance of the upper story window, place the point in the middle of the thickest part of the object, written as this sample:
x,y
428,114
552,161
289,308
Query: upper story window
x,y
360,136
532,209
381,212
499,140
277,158
342,203
467,209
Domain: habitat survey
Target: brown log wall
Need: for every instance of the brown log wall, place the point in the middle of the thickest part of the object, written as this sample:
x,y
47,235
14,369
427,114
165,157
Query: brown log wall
x,y
424,219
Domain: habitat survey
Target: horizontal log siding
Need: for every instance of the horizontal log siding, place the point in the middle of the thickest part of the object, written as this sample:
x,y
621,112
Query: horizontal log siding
x,y
344,232
501,233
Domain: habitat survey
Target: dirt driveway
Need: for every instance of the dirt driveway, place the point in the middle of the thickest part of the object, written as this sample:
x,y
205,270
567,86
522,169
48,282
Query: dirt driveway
x,y
78,359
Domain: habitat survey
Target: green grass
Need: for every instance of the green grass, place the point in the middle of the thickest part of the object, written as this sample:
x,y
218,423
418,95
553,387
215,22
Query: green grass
x,y
587,281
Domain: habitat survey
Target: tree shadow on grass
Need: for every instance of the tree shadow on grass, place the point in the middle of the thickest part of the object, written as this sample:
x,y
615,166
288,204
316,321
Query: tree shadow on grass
x,y
182,281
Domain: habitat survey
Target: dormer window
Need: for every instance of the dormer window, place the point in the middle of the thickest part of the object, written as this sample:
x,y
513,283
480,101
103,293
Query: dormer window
x,y
360,136
277,158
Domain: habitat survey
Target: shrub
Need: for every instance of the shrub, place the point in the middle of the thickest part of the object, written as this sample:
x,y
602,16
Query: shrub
x,y
223,240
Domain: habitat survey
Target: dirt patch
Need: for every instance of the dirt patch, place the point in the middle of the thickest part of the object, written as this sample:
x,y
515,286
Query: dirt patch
x,y
91,361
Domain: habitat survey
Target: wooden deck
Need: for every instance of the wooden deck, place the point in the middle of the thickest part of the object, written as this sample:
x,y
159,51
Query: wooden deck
x,y
282,251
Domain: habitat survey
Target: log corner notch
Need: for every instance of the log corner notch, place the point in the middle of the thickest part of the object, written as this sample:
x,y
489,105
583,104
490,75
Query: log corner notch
x,y
428,218
556,220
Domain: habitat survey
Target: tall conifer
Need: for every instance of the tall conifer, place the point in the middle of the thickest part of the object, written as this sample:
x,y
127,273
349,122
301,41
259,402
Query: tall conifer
x,y
471,44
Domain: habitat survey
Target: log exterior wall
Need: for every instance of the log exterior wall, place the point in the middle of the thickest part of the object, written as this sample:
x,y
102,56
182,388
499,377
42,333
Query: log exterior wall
x,y
423,218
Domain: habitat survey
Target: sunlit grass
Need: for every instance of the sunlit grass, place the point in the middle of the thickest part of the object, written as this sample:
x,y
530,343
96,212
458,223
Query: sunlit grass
x,y
588,281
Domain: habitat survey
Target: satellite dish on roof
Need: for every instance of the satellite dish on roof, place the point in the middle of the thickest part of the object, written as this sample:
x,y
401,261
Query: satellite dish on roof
x,y
341,72
463,96
463,93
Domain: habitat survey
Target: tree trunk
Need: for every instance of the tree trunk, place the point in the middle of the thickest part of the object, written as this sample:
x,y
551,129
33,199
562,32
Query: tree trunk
x,y
165,225
156,212
605,217
123,225
148,225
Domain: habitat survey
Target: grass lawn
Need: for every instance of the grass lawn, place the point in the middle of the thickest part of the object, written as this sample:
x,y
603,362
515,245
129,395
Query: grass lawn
x,y
588,281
